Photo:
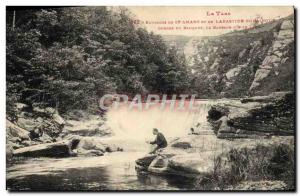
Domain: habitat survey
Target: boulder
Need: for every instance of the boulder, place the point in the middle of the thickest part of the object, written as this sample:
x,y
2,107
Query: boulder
x,y
159,165
21,106
58,119
56,149
188,165
219,157
217,111
178,161
13,130
43,120
145,161
287,24
224,127
46,139
98,146
82,152
10,146
183,145
28,123
261,116
178,165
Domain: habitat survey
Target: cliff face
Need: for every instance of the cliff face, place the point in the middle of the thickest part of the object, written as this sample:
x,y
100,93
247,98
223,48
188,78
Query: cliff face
x,y
250,62
277,68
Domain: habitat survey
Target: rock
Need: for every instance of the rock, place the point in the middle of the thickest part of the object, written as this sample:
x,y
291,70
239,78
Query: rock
x,y
28,124
21,106
232,73
275,96
81,152
42,120
9,149
46,138
242,53
145,161
169,164
91,131
276,117
183,145
224,127
174,160
92,144
279,55
29,143
286,34
159,162
58,119
89,143
215,64
10,146
43,111
50,113
261,74
90,126
159,165
187,165
77,115
261,115
56,149
218,157
268,76
217,111
217,115
287,24
277,45
13,130
15,139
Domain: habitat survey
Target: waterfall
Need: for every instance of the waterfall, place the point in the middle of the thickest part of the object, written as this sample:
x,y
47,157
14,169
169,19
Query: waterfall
x,y
137,125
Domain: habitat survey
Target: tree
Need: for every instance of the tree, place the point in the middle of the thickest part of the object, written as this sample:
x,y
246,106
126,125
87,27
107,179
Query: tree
x,y
69,57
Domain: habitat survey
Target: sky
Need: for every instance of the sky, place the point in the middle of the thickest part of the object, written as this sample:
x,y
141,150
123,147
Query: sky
x,y
161,19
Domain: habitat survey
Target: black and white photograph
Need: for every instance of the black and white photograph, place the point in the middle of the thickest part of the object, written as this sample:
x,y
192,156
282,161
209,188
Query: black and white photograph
x,y
150,98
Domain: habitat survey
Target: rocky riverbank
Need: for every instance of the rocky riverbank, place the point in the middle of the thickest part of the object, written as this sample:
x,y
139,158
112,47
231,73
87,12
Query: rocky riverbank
x,y
252,141
256,116
42,132
218,163
251,144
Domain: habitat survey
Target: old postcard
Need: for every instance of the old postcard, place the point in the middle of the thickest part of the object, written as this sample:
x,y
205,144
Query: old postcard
x,y
161,98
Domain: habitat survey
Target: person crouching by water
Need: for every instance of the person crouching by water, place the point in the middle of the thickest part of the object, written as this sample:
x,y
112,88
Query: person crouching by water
x,y
160,141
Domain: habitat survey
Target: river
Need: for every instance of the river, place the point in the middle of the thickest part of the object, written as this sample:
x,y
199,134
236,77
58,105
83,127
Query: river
x,y
113,171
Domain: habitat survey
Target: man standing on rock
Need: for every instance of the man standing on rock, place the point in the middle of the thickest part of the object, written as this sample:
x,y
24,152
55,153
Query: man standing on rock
x,y
160,141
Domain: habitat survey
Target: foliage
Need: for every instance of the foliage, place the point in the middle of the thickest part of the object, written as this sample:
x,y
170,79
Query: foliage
x,y
69,57
258,163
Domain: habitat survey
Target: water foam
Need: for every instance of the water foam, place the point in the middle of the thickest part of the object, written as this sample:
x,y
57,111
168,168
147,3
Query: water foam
x,y
138,125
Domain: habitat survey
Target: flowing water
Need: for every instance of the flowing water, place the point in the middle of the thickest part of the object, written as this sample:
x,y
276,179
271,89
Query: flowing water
x,y
113,171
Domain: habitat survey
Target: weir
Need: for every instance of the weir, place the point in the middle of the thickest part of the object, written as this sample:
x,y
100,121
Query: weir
x,y
137,125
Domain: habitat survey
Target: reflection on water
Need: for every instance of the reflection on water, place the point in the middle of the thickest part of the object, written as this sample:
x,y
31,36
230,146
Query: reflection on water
x,y
115,171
